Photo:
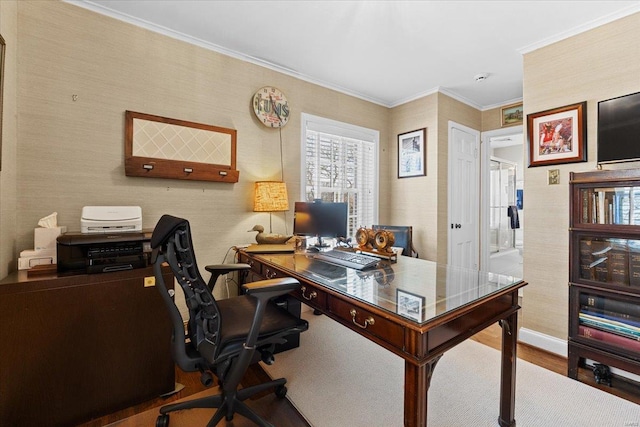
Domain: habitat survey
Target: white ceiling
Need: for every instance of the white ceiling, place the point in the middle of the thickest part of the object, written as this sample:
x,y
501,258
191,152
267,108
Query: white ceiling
x,y
387,52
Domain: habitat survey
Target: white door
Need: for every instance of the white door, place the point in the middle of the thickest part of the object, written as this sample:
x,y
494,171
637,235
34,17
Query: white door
x,y
463,206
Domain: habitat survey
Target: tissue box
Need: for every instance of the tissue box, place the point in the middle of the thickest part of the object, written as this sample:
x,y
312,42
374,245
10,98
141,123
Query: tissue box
x,y
44,239
31,258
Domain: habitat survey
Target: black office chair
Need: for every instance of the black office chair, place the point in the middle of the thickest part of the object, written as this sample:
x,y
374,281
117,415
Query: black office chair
x,y
222,337
403,238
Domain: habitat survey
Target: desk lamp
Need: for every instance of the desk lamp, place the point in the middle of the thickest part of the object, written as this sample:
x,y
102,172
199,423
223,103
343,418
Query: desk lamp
x,y
270,196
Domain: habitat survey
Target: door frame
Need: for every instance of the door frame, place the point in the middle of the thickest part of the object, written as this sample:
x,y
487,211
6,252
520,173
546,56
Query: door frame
x,y
485,155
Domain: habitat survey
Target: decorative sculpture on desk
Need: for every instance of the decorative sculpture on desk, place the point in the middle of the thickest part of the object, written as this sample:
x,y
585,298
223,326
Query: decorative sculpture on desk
x,y
375,241
269,238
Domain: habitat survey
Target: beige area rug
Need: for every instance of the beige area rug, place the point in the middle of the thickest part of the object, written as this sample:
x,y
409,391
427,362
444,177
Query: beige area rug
x,y
337,378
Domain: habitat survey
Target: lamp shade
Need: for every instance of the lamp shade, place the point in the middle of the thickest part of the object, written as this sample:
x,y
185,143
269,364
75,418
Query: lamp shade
x,y
270,196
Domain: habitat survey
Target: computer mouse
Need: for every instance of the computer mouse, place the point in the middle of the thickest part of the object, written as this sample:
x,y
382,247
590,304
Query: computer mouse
x,y
313,249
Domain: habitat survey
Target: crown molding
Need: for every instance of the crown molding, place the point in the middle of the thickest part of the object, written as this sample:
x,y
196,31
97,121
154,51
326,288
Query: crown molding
x,y
581,29
86,4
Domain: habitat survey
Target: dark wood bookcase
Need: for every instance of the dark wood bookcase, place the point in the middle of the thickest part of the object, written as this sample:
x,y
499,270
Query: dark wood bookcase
x,y
604,269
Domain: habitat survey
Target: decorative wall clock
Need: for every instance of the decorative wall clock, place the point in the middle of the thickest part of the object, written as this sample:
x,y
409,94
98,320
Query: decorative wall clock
x,y
271,107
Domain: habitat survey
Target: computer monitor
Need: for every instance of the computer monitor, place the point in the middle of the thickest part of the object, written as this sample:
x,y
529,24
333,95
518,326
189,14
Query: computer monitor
x,y
320,219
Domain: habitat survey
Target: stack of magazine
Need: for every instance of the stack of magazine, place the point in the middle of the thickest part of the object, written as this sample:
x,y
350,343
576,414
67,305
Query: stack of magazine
x,y
615,322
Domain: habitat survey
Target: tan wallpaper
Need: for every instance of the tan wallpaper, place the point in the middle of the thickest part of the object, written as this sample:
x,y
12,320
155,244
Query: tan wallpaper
x,y
413,200
8,175
596,65
71,152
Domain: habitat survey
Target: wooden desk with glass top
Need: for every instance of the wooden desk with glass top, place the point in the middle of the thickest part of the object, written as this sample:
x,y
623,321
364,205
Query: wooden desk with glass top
x,y
415,308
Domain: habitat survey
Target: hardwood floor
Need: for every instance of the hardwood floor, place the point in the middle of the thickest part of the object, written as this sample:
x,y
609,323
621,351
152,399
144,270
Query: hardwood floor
x,y
282,413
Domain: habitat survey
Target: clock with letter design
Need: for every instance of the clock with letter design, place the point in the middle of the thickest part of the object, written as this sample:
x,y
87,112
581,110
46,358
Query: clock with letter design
x,y
271,107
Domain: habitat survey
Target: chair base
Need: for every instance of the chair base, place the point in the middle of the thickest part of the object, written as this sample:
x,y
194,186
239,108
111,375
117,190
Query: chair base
x,y
227,404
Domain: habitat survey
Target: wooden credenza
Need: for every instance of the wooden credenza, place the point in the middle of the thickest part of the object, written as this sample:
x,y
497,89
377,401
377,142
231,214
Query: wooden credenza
x,y
76,347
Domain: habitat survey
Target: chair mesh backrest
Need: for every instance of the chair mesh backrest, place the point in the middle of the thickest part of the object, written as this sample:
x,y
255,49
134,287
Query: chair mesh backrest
x,y
172,238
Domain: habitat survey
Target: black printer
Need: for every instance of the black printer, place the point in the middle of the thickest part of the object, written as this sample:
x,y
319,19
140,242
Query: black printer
x,y
103,252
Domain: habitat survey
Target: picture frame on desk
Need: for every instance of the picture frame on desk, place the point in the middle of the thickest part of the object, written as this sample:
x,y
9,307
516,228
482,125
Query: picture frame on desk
x,y
558,136
410,304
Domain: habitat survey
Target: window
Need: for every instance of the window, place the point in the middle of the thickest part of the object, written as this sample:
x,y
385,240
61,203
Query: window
x,y
340,164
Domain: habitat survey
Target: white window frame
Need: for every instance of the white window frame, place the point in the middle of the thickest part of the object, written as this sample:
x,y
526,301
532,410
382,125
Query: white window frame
x,y
347,130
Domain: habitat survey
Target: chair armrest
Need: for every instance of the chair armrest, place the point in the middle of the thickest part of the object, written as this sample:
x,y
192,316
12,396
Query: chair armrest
x,y
226,268
267,289
218,270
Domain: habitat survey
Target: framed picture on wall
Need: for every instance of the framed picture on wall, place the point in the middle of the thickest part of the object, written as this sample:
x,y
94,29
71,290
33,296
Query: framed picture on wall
x,y
412,154
558,136
511,115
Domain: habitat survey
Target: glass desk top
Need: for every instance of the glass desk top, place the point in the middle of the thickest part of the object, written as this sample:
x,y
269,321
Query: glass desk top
x,y
416,289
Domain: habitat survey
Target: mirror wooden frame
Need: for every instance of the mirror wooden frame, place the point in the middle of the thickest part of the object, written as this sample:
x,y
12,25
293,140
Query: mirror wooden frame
x,y
176,168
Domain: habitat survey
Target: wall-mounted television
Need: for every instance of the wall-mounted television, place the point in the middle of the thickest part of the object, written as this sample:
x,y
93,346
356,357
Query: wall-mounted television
x,y
619,129
320,219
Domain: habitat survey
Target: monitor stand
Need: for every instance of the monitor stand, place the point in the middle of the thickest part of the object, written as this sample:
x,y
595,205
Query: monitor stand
x,y
319,244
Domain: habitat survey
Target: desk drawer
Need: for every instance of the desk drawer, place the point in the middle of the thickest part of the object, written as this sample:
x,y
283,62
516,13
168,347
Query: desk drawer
x,y
311,296
255,265
356,316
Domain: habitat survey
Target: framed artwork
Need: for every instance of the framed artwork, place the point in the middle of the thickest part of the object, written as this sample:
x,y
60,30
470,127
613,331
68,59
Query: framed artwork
x,y
412,154
558,136
410,305
511,115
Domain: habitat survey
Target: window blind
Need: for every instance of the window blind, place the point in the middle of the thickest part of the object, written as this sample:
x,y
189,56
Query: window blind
x,y
340,163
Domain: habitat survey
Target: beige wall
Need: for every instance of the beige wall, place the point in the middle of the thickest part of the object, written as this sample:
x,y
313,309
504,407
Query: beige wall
x,y
413,201
422,201
8,175
596,65
71,153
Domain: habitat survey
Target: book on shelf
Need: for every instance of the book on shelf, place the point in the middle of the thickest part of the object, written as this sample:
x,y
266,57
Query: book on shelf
x,y
584,194
634,320
623,308
600,263
613,316
634,262
586,258
617,340
619,328
606,205
619,262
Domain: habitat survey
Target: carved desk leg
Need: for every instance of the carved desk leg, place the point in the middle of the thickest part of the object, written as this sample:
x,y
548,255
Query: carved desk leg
x,y
416,389
508,371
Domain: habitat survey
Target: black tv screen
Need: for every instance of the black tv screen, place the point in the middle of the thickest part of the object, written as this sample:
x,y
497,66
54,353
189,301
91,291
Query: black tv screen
x,y
619,129
320,219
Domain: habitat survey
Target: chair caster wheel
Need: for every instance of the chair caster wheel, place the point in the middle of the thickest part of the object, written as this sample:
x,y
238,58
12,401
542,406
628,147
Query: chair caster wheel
x,y
163,420
281,391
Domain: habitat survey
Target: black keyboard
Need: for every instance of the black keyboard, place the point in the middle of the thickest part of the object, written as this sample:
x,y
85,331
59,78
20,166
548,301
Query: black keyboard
x,y
354,260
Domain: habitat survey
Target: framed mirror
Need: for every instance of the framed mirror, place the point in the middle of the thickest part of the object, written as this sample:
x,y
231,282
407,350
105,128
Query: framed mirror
x,y
159,147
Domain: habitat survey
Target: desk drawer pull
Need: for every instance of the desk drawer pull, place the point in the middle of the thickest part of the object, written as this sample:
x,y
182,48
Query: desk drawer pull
x,y
311,296
368,321
270,274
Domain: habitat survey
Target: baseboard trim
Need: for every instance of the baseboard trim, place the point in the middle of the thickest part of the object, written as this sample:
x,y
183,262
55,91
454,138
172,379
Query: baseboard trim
x,y
546,342
559,347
